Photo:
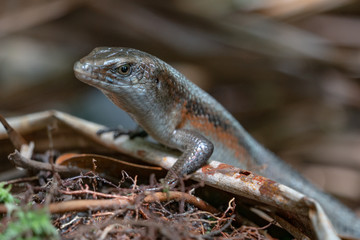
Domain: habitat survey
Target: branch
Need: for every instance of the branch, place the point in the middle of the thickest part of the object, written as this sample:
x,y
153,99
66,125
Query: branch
x,y
86,204
21,161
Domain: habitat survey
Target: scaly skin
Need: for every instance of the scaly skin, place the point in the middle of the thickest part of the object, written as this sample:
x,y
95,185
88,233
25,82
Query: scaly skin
x,y
180,115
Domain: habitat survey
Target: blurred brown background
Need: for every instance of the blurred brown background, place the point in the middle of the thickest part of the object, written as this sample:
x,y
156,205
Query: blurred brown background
x,y
288,70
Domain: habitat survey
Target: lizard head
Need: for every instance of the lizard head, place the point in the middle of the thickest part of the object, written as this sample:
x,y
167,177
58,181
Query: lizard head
x,y
127,76
110,67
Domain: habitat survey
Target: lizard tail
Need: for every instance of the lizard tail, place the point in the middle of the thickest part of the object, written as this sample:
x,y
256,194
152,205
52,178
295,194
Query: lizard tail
x,y
342,218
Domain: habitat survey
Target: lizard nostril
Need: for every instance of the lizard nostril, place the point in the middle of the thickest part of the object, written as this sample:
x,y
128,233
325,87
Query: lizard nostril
x,y
86,66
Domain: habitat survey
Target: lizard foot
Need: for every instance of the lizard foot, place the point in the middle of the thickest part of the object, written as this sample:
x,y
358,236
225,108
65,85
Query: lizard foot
x,y
171,179
117,132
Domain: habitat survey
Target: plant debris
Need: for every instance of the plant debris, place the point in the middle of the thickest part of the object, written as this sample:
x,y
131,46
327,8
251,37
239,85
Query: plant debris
x,y
95,195
89,206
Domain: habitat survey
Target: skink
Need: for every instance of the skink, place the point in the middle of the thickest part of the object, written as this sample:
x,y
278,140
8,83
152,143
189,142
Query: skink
x,y
180,115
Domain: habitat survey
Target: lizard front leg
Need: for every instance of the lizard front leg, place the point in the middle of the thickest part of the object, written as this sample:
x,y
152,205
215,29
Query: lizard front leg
x,y
196,149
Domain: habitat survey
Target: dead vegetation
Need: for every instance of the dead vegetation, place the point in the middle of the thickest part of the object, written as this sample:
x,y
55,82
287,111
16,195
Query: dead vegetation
x,y
288,70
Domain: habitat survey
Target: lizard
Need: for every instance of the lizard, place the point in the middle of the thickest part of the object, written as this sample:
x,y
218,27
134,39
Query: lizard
x,y
180,115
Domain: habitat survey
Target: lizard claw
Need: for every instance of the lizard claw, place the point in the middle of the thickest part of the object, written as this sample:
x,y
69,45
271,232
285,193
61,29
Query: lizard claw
x,y
171,179
169,184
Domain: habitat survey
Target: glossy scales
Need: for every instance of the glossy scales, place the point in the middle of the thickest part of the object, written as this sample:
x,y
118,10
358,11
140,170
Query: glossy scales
x,y
180,115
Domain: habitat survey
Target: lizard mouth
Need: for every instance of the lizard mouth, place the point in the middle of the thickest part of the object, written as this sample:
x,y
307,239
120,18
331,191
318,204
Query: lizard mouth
x,y
88,74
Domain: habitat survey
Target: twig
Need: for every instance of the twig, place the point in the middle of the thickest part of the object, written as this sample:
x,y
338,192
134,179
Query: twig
x,y
296,232
21,161
213,233
94,177
20,180
87,191
16,139
172,195
86,204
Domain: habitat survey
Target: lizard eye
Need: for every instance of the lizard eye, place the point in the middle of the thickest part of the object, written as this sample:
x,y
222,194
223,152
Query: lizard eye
x,y
124,69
